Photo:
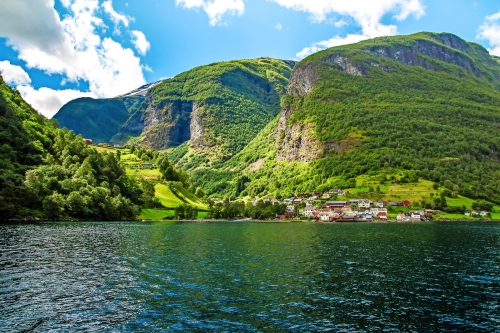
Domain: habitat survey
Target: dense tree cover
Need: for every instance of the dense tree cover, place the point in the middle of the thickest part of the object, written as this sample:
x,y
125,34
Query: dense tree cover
x,y
78,181
229,210
236,99
51,172
23,139
438,122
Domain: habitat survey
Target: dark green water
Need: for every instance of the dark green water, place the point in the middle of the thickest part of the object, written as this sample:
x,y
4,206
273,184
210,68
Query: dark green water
x,y
249,277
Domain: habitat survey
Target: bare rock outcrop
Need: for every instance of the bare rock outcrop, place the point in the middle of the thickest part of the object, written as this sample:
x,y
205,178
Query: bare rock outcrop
x,y
296,142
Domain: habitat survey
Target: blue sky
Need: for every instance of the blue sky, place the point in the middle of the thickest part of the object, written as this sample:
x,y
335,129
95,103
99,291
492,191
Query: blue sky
x,y
57,50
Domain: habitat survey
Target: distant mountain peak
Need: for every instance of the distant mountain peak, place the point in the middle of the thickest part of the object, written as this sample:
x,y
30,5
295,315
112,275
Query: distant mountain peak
x,y
142,90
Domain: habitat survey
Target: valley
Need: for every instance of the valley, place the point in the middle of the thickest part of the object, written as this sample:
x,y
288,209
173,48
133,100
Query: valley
x,y
393,118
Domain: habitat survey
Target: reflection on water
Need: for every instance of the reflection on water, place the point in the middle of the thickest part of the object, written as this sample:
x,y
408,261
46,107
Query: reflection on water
x,y
249,277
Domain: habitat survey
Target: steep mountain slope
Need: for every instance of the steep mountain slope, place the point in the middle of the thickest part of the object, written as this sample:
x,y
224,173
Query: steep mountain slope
x,y
425,105
219,108
97,119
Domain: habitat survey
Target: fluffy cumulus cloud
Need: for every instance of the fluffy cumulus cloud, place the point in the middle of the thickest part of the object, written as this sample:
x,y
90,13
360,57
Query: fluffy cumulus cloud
x,y
140,42
367,14
71,47
490,31
215,9
13,74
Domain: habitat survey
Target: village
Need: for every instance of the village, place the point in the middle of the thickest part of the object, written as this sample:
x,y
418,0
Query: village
x,y
353,210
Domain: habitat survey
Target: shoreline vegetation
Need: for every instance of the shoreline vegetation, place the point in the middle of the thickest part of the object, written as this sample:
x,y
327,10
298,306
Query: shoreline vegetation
x,y
39,220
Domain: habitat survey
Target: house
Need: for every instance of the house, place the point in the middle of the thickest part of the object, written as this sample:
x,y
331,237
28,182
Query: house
x,y
378,204
117,145
146,165
103,145
296,201
334,191
406,203
309,211
395,204
325,195
376,211
429,212
403,218
483,213
365,218
88,141
346,209
354,201
288,200
313,197
364,203
415,217
382,215
334,204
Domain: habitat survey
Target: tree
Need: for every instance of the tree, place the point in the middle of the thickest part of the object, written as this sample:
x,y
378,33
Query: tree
x,y
448,184
53,205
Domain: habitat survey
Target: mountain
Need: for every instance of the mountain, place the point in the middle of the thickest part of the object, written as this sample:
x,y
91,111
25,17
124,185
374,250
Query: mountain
x,y
405,107
218,108
101,119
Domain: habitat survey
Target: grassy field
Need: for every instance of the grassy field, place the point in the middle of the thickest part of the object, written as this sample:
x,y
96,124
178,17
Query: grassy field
x,y
460,201
160,214
414,192
155,214
192,200
495,216
167,197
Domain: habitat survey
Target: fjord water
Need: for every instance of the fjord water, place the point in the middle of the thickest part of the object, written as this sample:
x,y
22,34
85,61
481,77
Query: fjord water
x,y
249,277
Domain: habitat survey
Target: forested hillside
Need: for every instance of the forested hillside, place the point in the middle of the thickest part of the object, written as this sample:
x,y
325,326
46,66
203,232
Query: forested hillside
x,y
47,172
421,106
218,108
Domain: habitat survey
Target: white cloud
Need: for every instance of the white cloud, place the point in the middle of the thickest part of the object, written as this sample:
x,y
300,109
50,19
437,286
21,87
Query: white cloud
x,y
13,74
490,31
367,14
278,26
116,17
215,9
48,101
340,24
140,42
70,47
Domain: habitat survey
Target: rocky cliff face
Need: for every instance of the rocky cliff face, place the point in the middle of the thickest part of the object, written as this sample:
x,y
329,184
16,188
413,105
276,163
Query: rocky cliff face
x,y
164,125
297,141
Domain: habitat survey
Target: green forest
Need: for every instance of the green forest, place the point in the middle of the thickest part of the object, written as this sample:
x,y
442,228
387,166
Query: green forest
x,y
48,172
413,117
437,121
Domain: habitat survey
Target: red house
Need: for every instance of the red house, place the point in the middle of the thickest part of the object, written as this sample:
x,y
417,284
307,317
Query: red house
x,y
406,203
88,141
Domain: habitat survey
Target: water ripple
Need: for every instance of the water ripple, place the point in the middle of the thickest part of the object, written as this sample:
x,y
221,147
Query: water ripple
x,y
169,277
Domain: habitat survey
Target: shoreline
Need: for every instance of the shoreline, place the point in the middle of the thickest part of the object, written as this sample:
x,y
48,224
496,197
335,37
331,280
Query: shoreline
x,y
38,220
